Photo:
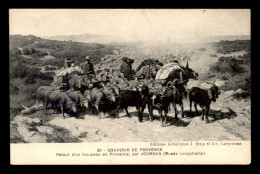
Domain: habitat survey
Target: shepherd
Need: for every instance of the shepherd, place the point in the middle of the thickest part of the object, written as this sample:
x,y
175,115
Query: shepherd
x,y
126,68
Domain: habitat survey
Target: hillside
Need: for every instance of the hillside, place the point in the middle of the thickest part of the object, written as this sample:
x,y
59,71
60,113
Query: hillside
x,y
31,57
228,62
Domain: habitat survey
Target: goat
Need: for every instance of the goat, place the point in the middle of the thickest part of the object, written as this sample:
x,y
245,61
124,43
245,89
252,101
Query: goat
x,y
203,98
160,102
138,99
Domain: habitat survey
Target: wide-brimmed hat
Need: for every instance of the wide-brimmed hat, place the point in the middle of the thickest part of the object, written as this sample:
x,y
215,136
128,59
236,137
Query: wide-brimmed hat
x,y
87,58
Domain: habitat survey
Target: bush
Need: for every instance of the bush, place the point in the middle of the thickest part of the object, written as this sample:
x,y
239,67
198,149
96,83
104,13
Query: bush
x,y
39,54
226,47
228,65
18,69
242,95
28,51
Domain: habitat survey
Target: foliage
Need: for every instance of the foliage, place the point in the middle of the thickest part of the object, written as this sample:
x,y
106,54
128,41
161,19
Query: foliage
x,y
242,95
237,72
226,47
228,65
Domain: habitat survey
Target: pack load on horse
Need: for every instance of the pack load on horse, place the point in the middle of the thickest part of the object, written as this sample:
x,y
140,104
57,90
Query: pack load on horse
x,y
61,77
148,69
174,70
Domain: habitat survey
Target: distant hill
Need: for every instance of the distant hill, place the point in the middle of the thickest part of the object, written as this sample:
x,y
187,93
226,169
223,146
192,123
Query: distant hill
x,y
87,38
226,37
94,38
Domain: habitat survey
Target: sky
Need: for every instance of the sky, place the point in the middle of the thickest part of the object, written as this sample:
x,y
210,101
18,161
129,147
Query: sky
x,y
131,24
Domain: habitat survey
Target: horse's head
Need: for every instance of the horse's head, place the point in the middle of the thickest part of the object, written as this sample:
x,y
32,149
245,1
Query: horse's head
x,y
190,73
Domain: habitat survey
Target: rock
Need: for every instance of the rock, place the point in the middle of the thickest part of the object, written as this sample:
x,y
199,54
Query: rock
x,y
33,120
45,129
219,83
239,91
228,93
29,111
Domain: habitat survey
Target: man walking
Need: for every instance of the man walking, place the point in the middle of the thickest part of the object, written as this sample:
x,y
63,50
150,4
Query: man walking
x,y
126,68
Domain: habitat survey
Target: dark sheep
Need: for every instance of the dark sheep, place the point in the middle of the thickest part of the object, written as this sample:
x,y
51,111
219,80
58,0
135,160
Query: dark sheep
x,y
203,98
138,99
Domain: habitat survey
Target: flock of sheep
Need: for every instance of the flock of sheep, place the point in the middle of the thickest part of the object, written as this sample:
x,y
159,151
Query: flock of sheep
x,y
115,93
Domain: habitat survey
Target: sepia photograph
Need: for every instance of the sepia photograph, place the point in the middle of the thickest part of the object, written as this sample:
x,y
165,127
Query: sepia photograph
x,y
170,78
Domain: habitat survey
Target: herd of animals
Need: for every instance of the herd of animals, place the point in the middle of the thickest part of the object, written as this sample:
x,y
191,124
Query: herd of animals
x,y
112,92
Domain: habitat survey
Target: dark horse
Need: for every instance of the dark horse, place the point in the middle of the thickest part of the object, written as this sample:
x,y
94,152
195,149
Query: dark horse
x,y
183,74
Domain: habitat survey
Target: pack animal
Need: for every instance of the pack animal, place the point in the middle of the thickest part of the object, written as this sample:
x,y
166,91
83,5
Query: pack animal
x,y
175,91
187,73
160,102
138,99
203,98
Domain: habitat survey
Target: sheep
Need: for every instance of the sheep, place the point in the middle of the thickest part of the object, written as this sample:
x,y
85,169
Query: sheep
x,y
61,98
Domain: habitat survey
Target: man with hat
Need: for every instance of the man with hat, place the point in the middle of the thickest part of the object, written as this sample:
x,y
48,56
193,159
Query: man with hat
x,y
88,68
126,68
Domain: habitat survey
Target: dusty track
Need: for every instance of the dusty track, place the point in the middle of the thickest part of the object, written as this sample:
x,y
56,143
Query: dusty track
x,y
233,124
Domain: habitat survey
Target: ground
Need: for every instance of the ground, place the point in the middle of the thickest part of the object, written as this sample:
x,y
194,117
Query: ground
x,y
233,122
